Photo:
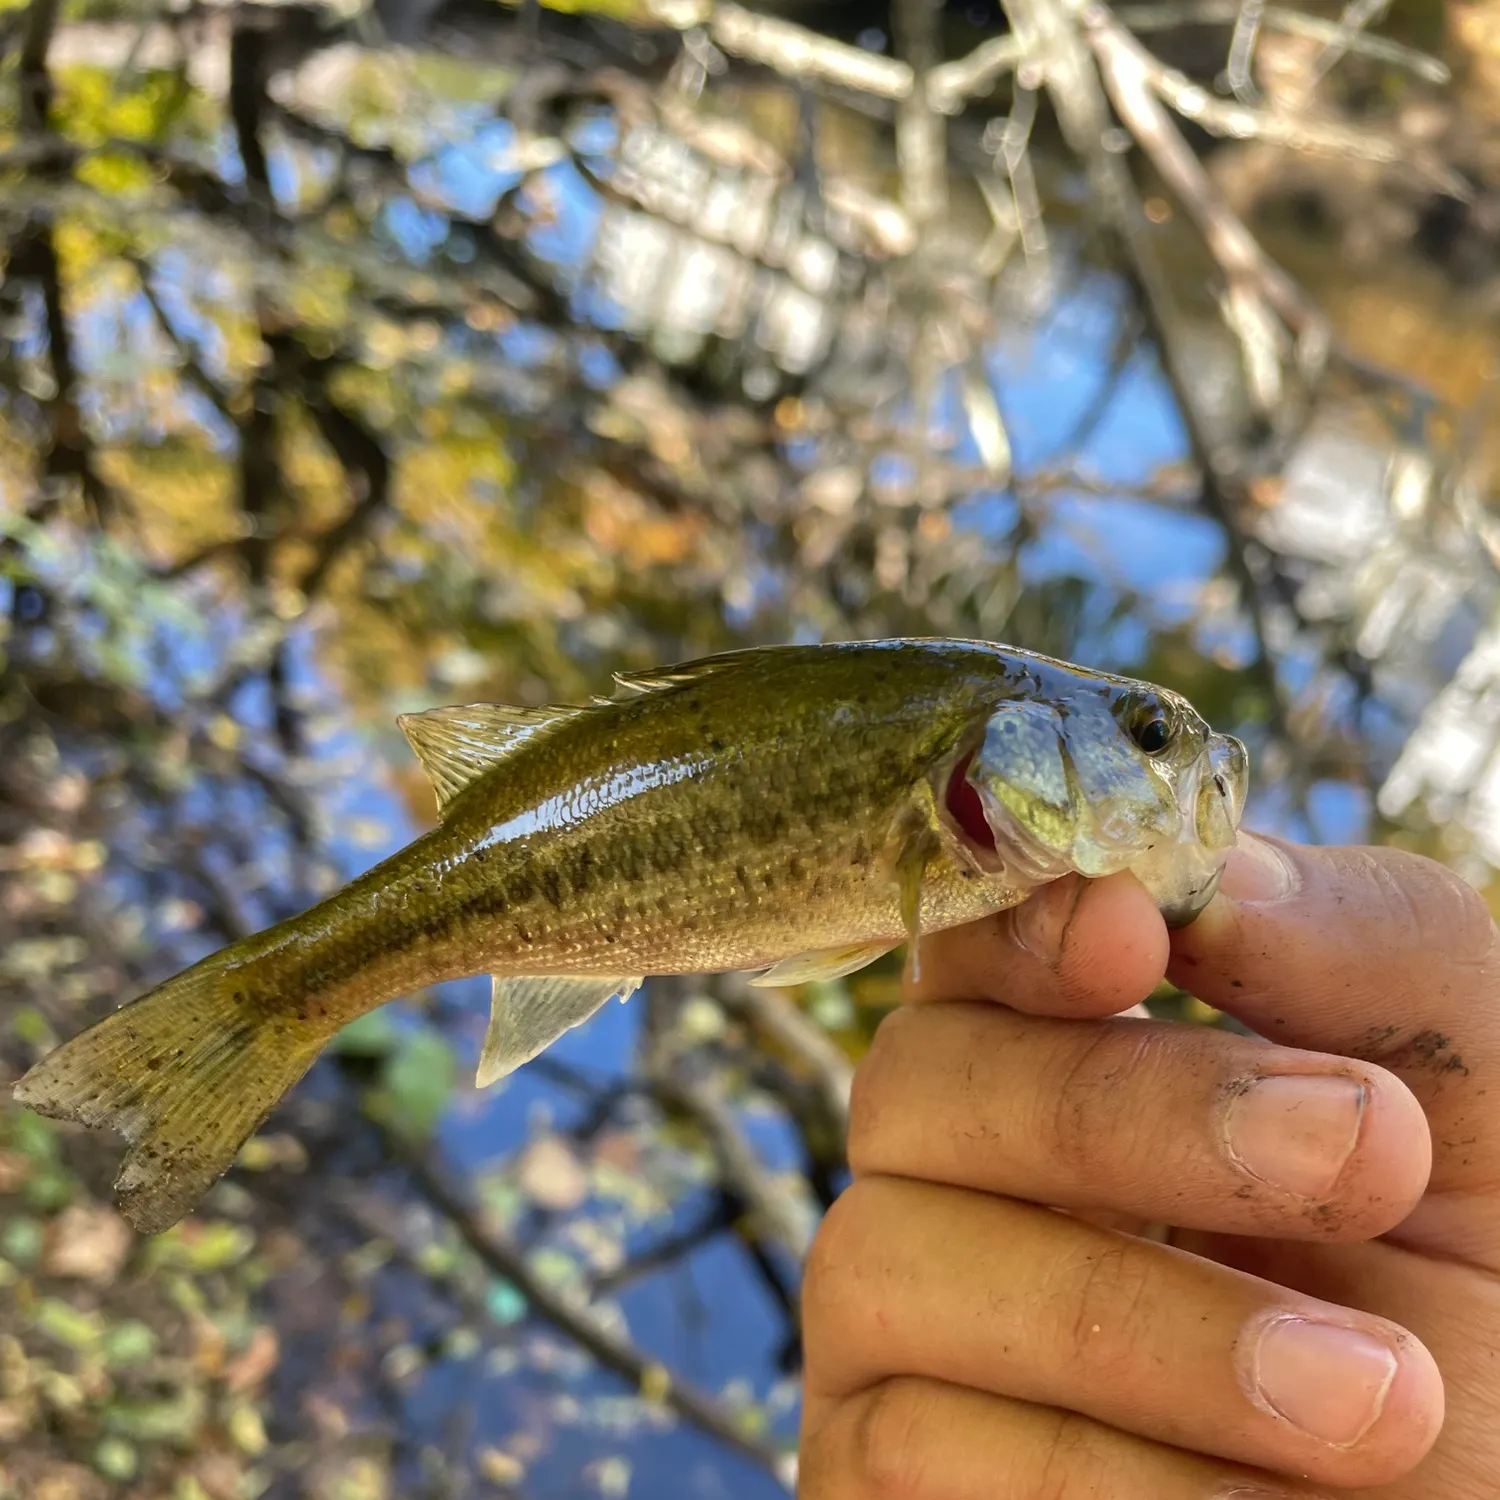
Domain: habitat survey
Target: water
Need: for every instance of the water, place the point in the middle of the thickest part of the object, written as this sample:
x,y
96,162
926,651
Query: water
x,y
433,409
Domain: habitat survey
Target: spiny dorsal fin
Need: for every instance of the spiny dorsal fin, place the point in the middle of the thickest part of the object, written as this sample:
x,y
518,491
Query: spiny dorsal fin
x,y
661,679
457,745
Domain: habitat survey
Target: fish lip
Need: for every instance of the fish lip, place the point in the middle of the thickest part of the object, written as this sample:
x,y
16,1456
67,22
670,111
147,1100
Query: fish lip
x,y
1184,913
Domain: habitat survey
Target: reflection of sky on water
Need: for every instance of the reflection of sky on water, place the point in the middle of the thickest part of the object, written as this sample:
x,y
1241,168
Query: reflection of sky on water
x,y
709,1317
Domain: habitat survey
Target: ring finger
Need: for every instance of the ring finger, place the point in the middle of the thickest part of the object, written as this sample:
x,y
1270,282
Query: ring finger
x,y
908,1278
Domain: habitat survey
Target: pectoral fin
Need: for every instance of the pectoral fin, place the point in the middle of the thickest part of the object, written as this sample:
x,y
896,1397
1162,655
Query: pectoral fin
x,y
825,963
528,1015
913,869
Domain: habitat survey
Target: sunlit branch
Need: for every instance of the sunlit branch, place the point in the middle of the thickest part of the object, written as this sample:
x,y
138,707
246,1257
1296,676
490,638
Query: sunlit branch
x,y
788,49
1174,13
1122,55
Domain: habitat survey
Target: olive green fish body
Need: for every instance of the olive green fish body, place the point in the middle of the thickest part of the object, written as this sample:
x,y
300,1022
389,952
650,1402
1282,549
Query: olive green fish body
x,y
799,807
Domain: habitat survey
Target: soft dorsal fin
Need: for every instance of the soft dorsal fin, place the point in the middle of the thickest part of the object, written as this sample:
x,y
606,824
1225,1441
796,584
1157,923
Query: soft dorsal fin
x,y
458,745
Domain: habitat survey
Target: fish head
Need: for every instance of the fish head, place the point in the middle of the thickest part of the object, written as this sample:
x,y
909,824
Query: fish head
x,y
1111,775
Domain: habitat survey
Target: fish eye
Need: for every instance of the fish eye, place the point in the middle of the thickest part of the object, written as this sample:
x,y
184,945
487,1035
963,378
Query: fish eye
x,y
1151,729
1153,736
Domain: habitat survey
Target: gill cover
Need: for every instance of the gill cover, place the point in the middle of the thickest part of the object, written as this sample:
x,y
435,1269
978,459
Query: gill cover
x,y
1061,786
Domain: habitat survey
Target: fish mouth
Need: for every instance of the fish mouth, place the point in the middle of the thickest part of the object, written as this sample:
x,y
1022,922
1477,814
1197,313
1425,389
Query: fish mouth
x,y
1184,912
1182,876
1177,852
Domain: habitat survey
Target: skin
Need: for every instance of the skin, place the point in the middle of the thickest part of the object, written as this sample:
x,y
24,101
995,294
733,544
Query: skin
x,y
964,1343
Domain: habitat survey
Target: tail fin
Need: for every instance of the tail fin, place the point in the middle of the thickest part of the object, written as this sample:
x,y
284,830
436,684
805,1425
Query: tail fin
x,y
186,1073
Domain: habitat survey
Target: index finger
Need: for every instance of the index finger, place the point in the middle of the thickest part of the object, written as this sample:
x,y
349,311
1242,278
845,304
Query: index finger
x,y
1076,948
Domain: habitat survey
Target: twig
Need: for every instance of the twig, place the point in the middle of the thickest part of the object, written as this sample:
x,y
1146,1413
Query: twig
x,y
740,1168
1122,56
668,1251
366,466
1357,15
1175,13
1238,70
779,1020
921,143
788,49
951,85
608,1348
191,365
1128,71
70,454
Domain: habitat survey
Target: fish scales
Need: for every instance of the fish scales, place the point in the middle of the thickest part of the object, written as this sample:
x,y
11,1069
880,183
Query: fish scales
x,y
802,807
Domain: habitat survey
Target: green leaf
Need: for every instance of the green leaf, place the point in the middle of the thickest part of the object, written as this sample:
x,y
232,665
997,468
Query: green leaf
x,y
416,1084
371,1035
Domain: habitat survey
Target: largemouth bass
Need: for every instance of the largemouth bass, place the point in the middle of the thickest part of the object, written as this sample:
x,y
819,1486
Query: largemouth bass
x,y
794,810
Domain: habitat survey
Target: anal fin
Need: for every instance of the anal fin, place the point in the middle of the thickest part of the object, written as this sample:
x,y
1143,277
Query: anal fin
x,y
528,1015
824,963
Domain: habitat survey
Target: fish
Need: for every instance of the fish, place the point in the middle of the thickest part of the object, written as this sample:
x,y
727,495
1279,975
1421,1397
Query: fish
x,y
790,812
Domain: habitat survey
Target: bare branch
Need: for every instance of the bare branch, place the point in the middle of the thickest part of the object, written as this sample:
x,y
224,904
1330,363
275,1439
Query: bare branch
x,y
921,139
779,1021
1128,70
1125,59
35,81
612,1351
1075,88
951,84
1175,13
788,49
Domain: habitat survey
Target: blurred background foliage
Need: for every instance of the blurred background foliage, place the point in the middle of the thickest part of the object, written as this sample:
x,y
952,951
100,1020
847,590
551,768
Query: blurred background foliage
x,y
361,356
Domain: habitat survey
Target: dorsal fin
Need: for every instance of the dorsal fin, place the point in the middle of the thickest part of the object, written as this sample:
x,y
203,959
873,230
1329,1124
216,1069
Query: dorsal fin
x,y
457,745
661,679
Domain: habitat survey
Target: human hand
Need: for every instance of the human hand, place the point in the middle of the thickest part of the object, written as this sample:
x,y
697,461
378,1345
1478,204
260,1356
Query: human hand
x,y
1334,1192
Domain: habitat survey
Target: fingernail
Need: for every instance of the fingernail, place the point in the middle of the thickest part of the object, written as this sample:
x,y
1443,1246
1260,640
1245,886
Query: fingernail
x,y
1330,1382
1257,872
1040,923
1296,1132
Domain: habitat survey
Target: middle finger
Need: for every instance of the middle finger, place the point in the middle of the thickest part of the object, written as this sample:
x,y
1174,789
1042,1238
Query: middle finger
x,y
1181,1125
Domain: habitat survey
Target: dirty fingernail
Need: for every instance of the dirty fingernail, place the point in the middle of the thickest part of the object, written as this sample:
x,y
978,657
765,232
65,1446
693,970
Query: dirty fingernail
x,y
1329,1381
1257,872
1295,1132
1040,924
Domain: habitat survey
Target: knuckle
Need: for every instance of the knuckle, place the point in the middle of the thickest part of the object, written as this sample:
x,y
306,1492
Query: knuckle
x,y
892,1457
1433,908
1087,1098
1068,1447
833,1290
1114,1313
